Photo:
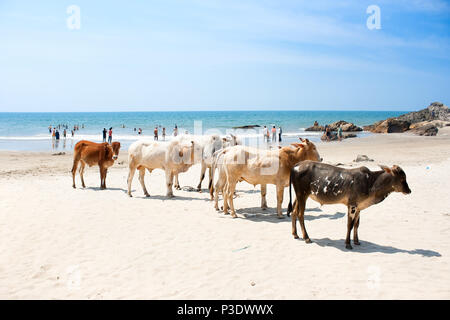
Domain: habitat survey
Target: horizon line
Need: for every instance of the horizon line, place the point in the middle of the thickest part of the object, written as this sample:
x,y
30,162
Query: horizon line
x,y
220,110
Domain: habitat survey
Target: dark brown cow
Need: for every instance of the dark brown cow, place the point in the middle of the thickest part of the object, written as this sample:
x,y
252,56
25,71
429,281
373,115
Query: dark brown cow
x,y
91,153
357,188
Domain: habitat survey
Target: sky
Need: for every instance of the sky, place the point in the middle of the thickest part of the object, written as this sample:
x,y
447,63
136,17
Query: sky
x,y
223,55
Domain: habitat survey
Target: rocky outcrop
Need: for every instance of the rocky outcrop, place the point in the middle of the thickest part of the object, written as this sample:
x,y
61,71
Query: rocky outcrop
x,y
346,127
390,125
435,111
334,136
423,122
315,128
428,129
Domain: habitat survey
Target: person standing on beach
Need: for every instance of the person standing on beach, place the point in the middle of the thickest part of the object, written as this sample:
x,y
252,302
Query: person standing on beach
x,y
65,133
104,134
279,134
164,133
264,134
57,135
54,134
155,134
274,134
175,131
339,133
110,135
72,133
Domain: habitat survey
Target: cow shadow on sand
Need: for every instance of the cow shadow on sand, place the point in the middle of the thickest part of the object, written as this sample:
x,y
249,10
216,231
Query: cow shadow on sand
x,y
370,247
257,214
174,198
108,188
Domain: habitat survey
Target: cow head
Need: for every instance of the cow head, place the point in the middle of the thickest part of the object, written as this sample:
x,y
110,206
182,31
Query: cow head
x,y
399,183
115,147
108,152
308,150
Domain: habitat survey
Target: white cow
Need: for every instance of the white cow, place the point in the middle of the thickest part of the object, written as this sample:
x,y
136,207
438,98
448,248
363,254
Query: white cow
x,y
173,157
207,145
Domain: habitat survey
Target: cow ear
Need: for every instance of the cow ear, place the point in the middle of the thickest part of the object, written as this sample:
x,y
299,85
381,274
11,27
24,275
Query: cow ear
x,y
386,168
180,154
298,145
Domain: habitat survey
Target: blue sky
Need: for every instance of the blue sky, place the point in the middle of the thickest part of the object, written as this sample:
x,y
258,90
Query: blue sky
x,y
223,55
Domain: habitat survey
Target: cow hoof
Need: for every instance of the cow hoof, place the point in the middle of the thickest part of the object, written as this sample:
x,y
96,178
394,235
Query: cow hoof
x,y
147,195
357,243
296,236
170,196
280,217
234,216
348,246
308,240
74,187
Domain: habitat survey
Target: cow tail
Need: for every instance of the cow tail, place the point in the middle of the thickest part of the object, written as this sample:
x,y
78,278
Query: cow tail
x,y
289,210
213,170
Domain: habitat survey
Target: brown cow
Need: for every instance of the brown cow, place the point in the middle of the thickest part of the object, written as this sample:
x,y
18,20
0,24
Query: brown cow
x,y
255,166
91,153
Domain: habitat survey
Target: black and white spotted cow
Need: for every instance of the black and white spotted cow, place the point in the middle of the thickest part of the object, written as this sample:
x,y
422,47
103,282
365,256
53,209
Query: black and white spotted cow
x,y
357,188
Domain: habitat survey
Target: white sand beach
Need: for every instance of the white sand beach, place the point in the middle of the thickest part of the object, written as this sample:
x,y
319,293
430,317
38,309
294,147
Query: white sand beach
x,y
57,242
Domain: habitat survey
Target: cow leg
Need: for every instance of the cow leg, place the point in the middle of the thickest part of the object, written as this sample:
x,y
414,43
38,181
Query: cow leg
x,y
280,191
294,216
301,204
219,186
263,196
141,180
231,186
210,183
82,166
131,170
102,177
350,223
169,182
177,183
74,172
355,230
225,198
202,176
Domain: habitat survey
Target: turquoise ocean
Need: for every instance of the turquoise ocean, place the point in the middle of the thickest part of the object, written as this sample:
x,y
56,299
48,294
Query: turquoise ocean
x,y
29,131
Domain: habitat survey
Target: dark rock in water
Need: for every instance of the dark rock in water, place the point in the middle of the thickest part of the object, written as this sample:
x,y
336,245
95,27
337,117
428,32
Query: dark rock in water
x,y
426,130
315,128
391,125
346,126
248,127
349,135
361,158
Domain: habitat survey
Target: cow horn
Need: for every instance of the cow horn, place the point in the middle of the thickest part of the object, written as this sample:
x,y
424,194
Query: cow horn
x,y
386,168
